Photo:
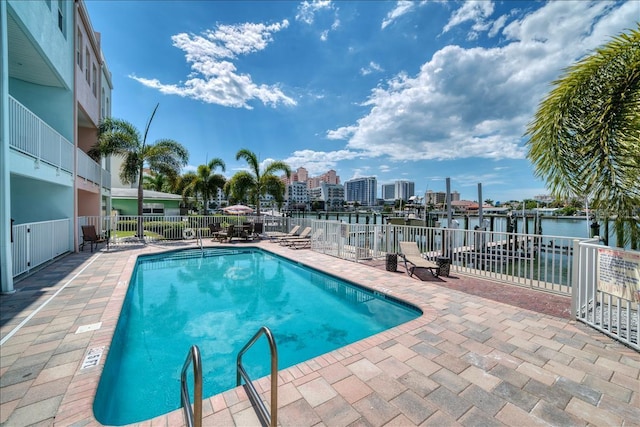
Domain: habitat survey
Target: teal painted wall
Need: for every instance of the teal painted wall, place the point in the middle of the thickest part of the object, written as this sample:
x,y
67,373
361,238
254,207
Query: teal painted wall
x,y
33,200
40,22
53,105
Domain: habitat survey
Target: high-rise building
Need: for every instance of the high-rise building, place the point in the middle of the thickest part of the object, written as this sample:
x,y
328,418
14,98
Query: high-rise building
x,y
388,192
404,190
362,190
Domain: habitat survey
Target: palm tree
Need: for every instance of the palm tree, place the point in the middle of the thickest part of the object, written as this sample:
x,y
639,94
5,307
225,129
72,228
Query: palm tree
x,y
185,189
156,182
251,185
120,138
205,182
585,136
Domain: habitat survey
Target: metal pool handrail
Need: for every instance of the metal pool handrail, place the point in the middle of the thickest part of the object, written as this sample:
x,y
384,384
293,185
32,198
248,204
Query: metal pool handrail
x,y
200,241
193,418
271,420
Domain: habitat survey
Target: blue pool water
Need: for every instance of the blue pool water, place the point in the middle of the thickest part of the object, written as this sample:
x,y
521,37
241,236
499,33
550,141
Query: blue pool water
x,y
219,302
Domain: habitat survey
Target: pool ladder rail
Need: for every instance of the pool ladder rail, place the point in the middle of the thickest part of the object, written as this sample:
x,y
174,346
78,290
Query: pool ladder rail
x,y
193,416
254,397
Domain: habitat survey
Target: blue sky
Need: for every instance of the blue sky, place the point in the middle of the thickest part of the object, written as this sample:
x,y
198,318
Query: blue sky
x,y
419,90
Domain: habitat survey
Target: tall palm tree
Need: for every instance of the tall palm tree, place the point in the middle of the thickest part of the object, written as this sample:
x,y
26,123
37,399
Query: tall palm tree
x,y
252,184
585,138
120,138
207,183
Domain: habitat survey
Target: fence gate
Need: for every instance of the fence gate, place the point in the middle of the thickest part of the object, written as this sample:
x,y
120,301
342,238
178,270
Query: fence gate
x,y
606,290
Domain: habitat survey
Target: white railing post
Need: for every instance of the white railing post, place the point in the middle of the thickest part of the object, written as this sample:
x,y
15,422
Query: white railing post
x,y
576,289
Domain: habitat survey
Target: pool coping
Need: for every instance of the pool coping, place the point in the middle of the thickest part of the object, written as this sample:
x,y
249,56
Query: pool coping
x,y
311,380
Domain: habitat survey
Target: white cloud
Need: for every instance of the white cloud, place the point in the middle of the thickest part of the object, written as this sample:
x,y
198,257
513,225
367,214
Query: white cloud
x,y
497,25
318,162
476,11
308,9
476,102
402,7
371,68
214,78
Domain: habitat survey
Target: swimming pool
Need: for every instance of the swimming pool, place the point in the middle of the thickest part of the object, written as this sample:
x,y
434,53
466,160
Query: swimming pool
x,y
218,302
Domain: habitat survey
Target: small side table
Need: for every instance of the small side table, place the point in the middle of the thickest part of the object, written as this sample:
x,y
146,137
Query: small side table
x,y
444,265
392,262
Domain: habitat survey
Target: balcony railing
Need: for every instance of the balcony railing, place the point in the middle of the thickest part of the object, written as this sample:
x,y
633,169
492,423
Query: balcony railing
x,y
32,136
88,168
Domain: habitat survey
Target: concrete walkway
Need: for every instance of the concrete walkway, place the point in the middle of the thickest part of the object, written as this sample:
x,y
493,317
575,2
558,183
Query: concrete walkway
x,y
468,360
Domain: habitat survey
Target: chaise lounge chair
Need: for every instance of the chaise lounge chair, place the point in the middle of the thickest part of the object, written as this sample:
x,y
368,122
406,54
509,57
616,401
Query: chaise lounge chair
x,y
275,235
303,242
89,235
410,252
303,235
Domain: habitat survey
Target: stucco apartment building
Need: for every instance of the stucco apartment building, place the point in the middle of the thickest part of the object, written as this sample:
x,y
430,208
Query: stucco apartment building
x,y
55,87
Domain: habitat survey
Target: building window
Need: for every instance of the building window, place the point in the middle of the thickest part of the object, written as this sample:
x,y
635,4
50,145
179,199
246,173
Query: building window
x,y
102,101
61,16
94,82
79,50
87,70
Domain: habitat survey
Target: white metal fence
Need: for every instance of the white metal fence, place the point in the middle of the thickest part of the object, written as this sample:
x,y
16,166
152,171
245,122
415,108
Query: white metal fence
x,y
535,261
558,264
38,242
122,229
611,314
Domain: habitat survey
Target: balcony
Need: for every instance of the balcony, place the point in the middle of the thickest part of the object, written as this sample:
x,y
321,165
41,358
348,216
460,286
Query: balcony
x,y
31,136
92,171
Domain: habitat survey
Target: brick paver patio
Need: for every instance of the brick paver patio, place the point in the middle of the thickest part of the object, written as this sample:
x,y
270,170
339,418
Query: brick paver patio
x,y
477,356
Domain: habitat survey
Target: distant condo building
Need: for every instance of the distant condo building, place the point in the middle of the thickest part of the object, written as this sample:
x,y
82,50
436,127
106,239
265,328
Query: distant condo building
x,y
331,195
401,189
362,190
404,190
439,198
388,192
297,195
299,189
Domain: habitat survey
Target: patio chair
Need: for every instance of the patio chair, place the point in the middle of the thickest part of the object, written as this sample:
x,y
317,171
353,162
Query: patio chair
x,y
303,235
214,230
226,234
258,228
89,235
303,242
275,235
411,254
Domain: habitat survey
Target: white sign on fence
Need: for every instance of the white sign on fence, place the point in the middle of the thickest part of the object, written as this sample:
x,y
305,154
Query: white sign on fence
x,y
619,273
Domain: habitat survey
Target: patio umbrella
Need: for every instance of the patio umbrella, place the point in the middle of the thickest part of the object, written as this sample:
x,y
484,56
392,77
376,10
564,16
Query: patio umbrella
x,y
237,210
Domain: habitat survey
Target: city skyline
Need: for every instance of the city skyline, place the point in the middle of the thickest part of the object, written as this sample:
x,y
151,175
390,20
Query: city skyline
x,y
396,90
